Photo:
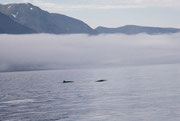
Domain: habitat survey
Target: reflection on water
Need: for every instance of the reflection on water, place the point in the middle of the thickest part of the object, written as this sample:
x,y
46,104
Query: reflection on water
x,y
144,93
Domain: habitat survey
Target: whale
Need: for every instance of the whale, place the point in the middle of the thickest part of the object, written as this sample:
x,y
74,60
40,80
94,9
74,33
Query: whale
x,y
64,81
101,80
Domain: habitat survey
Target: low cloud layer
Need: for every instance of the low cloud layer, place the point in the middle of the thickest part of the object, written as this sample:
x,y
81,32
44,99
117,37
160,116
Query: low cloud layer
x,y
44,51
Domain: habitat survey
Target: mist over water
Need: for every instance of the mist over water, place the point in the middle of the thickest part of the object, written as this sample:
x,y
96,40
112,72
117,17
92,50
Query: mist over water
x,y
45,51
146,87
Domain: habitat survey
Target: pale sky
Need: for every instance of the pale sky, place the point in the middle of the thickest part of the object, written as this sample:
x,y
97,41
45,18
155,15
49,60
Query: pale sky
x,y
114,13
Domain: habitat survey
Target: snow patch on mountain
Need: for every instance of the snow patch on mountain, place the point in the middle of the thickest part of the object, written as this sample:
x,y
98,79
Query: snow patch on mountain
x,y
14,15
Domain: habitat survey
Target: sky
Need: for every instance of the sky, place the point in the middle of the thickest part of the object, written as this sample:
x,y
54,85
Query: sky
x,y
114,13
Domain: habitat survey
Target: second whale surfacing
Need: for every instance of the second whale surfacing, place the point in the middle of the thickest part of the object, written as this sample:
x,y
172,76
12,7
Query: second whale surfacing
x,y
101,80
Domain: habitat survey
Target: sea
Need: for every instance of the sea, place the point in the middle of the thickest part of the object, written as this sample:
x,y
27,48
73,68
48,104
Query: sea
x,y
131,93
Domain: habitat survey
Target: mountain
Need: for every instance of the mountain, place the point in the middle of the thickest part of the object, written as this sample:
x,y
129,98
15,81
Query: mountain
x,y
33,19
7,25
44,22
133,29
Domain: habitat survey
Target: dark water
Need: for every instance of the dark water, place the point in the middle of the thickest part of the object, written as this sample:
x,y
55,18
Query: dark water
x,y
144,93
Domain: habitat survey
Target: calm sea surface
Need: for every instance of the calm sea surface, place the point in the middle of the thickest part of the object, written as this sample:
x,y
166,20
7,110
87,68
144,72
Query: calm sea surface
x,y
139,93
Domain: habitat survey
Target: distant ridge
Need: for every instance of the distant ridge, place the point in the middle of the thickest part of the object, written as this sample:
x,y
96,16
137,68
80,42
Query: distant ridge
x,y
32,19
8,26
44,22
134,29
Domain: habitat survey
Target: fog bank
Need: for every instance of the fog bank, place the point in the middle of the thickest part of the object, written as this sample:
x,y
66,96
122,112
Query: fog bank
x,y
45,51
